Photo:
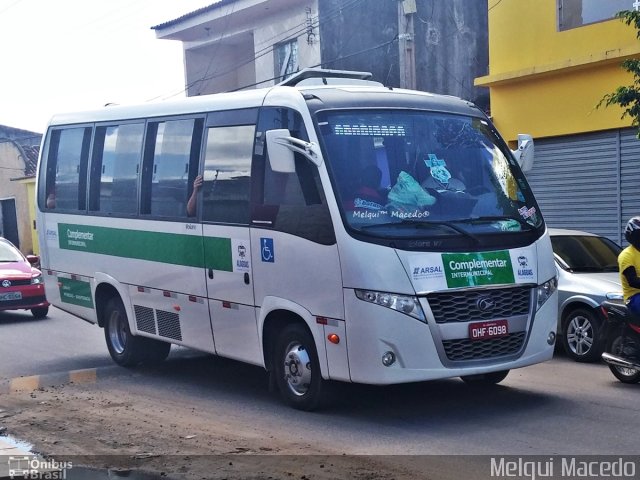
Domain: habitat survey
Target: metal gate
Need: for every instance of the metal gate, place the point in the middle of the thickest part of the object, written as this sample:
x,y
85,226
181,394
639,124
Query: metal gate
x,y
589,181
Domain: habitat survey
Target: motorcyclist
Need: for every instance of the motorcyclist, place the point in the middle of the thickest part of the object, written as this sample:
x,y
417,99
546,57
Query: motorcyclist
x,y
629,263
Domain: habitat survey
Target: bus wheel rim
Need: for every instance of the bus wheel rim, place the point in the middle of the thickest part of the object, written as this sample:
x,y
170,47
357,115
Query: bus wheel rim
x,y
117,333
297,369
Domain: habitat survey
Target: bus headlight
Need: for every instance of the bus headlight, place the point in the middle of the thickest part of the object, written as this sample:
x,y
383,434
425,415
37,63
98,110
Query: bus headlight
x,y
545,290
400,303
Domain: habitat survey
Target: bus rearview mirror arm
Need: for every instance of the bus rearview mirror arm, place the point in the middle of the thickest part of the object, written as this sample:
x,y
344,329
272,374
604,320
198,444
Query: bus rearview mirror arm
x,y
525,152
281,147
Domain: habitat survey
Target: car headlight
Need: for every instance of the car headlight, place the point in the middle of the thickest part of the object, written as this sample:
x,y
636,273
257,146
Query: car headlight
x,y
37,279
401,303
547,289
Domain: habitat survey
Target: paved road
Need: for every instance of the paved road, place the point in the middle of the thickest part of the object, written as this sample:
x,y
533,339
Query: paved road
x,y
58,343
556,408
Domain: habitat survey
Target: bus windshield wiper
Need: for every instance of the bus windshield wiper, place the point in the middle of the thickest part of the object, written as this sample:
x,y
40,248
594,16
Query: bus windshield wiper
x,y
497,218
427,224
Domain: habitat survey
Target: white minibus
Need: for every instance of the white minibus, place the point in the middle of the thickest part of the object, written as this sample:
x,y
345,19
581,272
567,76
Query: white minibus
x,y
339,230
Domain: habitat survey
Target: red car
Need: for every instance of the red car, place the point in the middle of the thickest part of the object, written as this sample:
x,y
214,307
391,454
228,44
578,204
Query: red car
x,y
21,284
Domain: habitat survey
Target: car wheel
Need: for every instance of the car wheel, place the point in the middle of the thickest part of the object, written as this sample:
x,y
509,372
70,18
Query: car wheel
x,y
40,312
582,336
485,379
297,368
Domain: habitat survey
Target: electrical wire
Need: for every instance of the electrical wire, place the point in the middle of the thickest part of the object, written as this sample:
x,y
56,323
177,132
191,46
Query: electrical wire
x,y
10,6
302,29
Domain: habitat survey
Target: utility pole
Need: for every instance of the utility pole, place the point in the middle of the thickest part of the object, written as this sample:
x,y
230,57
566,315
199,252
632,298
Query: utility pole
x,y
406,43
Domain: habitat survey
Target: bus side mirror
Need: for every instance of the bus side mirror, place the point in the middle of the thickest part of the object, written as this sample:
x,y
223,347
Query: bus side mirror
x,y
525,152
281,147
281,157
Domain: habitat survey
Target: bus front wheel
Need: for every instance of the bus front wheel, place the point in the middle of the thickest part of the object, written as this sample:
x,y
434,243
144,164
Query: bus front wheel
x,y
297,369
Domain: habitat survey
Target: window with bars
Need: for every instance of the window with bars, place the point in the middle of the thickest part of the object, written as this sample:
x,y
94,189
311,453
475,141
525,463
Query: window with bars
x,y
286,59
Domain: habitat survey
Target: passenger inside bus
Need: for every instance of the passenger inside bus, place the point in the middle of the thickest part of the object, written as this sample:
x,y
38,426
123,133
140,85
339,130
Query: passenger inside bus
x,y
51,200
193,199
369,194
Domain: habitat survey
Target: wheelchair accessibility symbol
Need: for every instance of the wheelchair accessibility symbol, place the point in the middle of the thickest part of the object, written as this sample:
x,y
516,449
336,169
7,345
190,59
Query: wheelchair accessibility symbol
x,y
266,250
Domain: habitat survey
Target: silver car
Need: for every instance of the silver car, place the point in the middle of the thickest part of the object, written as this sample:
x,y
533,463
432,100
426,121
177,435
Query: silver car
x,y
587,267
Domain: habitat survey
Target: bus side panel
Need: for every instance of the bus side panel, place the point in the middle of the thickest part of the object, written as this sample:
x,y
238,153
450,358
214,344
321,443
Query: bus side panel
x,y
305,273
159,265
228,275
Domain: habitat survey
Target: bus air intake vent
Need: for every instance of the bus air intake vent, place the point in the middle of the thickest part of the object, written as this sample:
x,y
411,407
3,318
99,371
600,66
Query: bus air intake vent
x,y
169,325
465,349
144,319
466,305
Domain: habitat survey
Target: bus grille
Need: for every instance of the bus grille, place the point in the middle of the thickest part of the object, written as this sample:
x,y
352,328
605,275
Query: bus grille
x,y
465,349
169,325
144,319
462,306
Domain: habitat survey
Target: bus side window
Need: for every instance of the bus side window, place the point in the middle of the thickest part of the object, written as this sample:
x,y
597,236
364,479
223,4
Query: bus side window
x,y
171,163
227,174
291,202
115,168
65,182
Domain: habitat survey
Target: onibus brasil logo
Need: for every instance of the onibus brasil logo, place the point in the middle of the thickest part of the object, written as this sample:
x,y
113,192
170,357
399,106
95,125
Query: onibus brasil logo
x,y
32,467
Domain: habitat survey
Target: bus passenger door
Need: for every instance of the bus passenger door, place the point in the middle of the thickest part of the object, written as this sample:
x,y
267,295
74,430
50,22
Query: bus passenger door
x,y
227,247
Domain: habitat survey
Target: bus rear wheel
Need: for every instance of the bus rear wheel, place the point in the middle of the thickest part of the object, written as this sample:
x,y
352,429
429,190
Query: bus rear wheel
x,y
126,349
297,369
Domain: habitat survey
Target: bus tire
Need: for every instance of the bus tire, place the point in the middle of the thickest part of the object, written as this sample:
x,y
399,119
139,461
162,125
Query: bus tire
x,y
297,368
125,349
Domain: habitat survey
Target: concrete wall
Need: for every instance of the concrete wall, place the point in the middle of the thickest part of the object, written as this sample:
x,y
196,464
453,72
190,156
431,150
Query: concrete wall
x,y
548,82
13,167
239,53
451,43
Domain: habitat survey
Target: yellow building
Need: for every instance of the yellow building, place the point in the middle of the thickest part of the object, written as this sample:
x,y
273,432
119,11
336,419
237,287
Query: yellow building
x,y
551,62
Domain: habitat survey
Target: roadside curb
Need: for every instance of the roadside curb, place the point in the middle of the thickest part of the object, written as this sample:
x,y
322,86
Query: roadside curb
x,y
35,382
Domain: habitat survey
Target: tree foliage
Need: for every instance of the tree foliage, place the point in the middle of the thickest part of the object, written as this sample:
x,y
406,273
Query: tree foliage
x,y
628,97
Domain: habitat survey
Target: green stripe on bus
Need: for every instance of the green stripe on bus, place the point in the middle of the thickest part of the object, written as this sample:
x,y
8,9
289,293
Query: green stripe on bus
x,y
75,292
172,248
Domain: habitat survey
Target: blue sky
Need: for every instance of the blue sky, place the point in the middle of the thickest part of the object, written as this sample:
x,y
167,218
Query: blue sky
x,y
67,55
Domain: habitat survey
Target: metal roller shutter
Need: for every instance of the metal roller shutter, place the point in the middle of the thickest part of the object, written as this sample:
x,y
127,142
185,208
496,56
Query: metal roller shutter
x,y
576,180
630,175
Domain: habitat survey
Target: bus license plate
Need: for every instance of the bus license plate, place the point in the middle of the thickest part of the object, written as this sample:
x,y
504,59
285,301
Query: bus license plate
x,y
5,297
487,330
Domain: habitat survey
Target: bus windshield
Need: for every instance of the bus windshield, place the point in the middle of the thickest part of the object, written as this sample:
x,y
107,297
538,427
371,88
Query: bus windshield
x,y
408,173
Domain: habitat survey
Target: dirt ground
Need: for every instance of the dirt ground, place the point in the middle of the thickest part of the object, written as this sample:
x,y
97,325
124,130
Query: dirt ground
x,y
107,427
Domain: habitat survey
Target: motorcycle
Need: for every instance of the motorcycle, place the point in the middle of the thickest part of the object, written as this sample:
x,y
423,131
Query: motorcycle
x,y
622,353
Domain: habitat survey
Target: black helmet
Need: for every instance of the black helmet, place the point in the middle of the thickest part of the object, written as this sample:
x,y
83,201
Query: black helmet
x,y
632,232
